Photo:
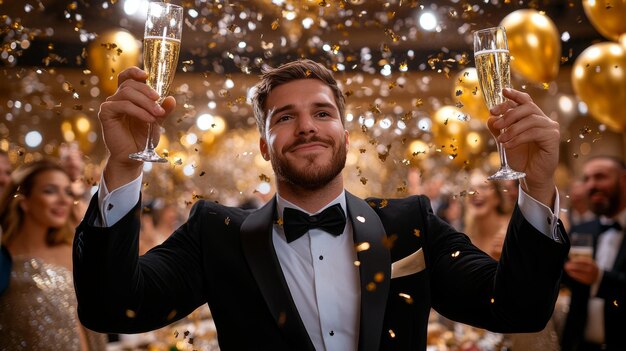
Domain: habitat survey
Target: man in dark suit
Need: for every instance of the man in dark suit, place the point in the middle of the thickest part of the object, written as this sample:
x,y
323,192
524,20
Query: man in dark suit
x,y
316,267
597,313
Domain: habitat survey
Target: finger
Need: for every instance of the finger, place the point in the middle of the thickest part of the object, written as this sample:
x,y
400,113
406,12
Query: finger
x,y
517,135
514,99
130,84
134,73
116,109
168,105
136,94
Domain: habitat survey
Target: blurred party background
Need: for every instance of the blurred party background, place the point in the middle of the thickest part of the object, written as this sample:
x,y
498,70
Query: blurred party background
x,y
406,68
415,113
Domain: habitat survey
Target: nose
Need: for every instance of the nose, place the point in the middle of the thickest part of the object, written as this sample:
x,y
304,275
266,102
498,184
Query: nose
x,y
65,198
306,125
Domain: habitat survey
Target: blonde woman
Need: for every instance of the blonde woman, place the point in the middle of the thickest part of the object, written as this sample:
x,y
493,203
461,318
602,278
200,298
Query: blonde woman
x,y
39,305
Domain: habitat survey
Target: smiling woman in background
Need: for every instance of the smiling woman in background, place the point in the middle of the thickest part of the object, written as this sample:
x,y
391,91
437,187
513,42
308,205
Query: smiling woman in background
x,y
39,305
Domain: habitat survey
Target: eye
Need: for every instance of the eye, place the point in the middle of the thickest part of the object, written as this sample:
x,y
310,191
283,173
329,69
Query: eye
x,y
282,118
323,114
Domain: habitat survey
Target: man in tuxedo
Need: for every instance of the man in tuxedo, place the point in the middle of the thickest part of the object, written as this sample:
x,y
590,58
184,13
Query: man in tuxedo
x,y
316,268
597,312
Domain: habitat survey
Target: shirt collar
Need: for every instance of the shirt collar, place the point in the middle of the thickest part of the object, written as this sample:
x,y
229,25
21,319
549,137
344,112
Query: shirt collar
x,y
619,218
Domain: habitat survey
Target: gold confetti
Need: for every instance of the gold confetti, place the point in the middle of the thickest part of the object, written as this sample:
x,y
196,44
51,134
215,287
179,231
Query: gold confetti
x,y
364,246
371,286
407,298
227,221
416,232
392,334
379,277
456,254
130,314
171,315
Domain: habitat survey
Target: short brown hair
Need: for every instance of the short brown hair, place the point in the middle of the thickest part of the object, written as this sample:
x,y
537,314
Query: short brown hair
x,y
300,69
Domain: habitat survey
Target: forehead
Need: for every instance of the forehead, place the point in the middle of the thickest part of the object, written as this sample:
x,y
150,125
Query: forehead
x,y
599,166
51,176
300,91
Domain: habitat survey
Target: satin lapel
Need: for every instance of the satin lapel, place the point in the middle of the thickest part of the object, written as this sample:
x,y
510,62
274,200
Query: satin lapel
x,y
621,254
375,270
256,240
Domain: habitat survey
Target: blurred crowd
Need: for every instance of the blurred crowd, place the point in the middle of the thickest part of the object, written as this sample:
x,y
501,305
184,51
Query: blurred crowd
x,y
43,201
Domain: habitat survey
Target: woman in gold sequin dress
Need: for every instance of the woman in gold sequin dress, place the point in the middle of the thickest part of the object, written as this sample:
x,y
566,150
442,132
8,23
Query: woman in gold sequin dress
x,y
486,220
38,309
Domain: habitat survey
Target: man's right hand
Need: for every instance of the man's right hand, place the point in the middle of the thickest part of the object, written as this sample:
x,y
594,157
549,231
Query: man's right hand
x,y
582,269
124,117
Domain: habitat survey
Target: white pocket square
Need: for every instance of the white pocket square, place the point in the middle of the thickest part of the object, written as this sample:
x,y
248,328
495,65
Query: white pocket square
x,y
411,264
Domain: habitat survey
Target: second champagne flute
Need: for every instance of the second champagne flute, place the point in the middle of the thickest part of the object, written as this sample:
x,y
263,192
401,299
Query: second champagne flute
x,y
491,54
161,46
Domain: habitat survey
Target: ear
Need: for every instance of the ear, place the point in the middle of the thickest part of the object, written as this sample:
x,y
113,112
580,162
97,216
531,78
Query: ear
x,y
22,202
347,139
264,149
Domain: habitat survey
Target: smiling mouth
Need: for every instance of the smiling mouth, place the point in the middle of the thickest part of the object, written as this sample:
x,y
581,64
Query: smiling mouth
x,y
308,147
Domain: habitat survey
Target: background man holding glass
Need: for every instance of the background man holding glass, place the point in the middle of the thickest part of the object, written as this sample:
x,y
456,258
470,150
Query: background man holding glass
x,y
356,275
597,312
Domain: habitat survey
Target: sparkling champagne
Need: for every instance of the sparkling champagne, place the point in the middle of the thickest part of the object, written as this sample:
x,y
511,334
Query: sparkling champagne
x,y
581,251
494,74
160,58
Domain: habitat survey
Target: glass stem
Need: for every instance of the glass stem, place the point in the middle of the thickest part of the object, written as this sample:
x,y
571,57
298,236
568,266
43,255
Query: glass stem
x,y
149,142
502,153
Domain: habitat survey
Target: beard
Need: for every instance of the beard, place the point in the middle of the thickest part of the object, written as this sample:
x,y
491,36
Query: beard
x,y
611,205
312,176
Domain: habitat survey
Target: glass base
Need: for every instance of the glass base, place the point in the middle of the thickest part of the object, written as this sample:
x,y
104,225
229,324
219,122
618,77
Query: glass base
x,y
506,173
147,156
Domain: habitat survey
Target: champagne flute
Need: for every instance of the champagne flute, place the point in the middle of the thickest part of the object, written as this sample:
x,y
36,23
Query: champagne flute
x,y
491,54
161,45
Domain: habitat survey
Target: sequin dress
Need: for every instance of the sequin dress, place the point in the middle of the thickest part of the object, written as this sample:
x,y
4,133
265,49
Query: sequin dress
x,y
38,310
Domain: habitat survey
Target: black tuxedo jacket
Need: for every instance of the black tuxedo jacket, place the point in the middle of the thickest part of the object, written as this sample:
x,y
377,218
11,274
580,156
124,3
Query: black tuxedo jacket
x,y
225,257
612,289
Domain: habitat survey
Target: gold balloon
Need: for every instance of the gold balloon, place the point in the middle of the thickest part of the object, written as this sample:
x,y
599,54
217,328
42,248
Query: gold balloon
x,y
608,17
449,130
111,53
467,91
534,45
599,79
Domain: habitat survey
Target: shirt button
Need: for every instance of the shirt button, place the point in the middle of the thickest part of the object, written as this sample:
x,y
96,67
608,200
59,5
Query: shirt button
x,y
331,333
321,257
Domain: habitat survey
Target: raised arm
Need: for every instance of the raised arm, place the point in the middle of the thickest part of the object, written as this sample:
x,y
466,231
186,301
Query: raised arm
x,y
124,117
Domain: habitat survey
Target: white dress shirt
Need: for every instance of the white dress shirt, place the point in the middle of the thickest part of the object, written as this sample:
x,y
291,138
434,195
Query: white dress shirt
x,y
318,267
607,249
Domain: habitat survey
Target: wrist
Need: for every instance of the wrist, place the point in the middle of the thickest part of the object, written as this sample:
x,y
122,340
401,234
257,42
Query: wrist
x,y
118,173
544,192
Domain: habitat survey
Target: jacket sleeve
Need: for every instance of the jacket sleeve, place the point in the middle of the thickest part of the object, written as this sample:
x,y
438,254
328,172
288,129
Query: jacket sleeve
x,y
515,294
120,292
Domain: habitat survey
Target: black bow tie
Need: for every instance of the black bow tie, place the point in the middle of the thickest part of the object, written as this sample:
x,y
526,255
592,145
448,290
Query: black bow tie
x,y
296,223
613,225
